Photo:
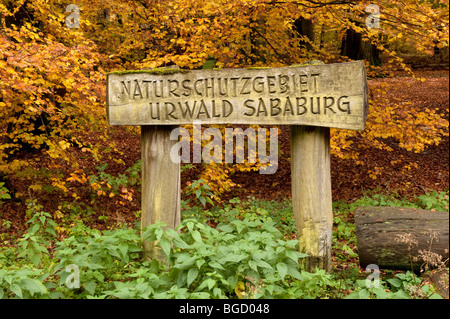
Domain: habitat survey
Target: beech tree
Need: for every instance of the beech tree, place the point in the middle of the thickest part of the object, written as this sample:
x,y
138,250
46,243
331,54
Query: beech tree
x,y
52,89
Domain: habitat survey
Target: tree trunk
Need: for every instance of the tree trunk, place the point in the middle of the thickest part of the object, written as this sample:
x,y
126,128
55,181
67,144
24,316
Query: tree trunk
x,y
378,230
354,47
311,193
160,183
305,27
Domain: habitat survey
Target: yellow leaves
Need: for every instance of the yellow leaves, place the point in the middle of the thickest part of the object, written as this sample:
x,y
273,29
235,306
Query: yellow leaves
x,y
53,152
385,134
218,178
56,182
75,196
77,176
35,187
95,186
14,166
64,144
10,70
239,289
58,74
58,214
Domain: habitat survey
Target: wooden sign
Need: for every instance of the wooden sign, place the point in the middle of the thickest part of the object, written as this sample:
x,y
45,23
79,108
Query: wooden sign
x,y
328,95
310,99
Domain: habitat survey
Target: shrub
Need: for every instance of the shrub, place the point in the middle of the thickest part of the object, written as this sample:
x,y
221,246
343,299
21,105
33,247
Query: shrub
x,y
212,262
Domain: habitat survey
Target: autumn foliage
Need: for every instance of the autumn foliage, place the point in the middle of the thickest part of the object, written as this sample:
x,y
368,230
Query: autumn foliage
x,y
52,78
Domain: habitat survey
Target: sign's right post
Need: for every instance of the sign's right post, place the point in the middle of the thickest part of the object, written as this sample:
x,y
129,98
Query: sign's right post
x,y
311,193
311,183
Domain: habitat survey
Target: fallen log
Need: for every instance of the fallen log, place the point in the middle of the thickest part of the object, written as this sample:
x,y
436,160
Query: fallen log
x,y
391,237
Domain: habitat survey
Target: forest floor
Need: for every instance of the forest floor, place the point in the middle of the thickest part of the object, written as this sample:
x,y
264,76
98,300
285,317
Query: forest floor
x,y
349,181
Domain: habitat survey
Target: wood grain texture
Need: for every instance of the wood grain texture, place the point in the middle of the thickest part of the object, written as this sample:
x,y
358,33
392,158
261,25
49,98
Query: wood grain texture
x,y
328,95
377,229
160,182
311,193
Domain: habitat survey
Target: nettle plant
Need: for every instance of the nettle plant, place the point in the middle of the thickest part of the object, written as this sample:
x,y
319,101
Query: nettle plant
x,y
213,262
40,235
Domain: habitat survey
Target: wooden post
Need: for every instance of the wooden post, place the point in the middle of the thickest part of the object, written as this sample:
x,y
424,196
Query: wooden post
x,y
311,193
160,183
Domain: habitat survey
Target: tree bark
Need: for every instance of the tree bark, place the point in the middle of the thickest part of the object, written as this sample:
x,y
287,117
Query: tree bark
x,y
160,183
305,27
378,230
354,47
311,193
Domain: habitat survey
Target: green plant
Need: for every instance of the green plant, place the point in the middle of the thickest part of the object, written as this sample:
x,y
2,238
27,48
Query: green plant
x,y
23,282
102,258
186,167
4,192
202,192
247,254
343,229
194,212
381,200
344,232
76,210
434,200
211,261
104,184
430,259
318,284
401,286
264,210
6,223
41,233
103,218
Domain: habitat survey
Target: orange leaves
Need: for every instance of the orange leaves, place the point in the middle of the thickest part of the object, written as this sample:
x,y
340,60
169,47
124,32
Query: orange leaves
x,y
52,88
50,93
400,120
77,176
56,182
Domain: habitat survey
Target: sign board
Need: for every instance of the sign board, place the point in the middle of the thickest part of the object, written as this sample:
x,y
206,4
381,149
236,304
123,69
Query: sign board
x,y
328,95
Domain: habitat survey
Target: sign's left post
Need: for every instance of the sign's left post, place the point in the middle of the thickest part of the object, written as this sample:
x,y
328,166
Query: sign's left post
x,y
160,183
161,195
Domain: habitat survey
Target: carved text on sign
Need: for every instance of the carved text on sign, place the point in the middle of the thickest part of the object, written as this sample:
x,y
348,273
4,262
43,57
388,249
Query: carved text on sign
x,y
332,95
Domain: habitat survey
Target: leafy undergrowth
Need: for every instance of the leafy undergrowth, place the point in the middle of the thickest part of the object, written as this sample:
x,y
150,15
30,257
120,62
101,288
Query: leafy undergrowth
x,y
239,250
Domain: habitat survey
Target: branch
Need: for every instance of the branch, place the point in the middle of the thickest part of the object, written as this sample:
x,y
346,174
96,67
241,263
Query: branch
x,y
274,50
316,4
